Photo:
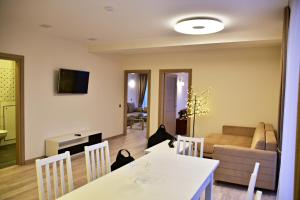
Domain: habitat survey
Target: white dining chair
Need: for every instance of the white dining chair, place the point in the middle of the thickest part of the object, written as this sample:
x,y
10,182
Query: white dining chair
x,y
53,162
189,146
99,164
251,187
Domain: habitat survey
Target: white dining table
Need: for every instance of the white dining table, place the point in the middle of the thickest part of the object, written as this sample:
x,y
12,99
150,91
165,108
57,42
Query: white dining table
x,y
158,175
164,147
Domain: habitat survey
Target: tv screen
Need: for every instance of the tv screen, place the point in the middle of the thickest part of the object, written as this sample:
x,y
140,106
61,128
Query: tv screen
x,y
73,81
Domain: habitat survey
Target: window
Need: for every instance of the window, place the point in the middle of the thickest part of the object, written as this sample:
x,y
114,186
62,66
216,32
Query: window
x,y
145,101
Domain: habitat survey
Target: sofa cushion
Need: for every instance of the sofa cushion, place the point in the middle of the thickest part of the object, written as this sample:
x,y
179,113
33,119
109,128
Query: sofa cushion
x,y
259,138
211,140
130,107
271,142
238,130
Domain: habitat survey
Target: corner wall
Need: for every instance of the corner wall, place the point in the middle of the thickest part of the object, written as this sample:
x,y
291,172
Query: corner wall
x,y
245,83
49,114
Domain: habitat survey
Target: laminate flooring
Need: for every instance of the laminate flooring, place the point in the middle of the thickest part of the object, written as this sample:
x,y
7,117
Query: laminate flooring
x,y
7,155
19,182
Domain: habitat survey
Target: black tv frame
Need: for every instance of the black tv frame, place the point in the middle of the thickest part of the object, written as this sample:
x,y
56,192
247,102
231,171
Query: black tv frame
x,y
74,91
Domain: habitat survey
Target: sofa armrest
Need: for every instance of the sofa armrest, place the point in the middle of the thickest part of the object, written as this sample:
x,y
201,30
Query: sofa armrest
x,y
242,159
238,130
245,153
237,164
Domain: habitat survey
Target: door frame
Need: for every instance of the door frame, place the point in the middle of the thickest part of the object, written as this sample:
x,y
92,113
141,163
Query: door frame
x,y
126,72
20,136
162,73
297,156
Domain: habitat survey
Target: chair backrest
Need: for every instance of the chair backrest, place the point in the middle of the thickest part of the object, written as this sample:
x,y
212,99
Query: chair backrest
x,y
189,146
251,187
99,164
53,162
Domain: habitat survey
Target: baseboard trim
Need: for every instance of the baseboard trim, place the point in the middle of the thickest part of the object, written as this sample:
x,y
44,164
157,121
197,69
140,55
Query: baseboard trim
x,y
32,160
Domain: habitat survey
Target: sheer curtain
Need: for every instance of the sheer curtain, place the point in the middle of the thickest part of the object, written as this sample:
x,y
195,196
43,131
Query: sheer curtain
x,y
145,102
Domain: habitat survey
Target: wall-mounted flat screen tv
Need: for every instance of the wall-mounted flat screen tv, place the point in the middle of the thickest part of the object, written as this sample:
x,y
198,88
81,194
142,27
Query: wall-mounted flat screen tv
x,y
73,81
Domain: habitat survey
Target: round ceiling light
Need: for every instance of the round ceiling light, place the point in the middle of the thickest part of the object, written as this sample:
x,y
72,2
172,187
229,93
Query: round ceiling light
x,y
199,25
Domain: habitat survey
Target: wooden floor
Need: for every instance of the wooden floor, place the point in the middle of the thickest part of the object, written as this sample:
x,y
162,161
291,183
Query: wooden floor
x,y
19,182
7,155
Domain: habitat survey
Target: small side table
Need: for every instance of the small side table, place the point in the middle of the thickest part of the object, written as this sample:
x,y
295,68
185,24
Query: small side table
x,y
139,120
181,126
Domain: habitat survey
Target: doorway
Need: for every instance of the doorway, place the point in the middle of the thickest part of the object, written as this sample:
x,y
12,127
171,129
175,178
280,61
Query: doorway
x,y
11,110
173,95
137,85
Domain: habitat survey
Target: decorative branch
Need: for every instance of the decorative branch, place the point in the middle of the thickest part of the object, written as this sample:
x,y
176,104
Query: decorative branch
x,y
197,105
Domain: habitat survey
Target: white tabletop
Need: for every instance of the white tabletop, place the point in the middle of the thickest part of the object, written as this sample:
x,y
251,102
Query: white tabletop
x,y
156,176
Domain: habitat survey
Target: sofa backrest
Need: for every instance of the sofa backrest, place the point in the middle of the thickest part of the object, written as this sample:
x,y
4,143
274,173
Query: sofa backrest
x,y
269,127
259,137
238,130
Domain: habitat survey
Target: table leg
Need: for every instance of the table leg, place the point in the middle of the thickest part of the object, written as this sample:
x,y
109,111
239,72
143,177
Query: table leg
x,y
209,188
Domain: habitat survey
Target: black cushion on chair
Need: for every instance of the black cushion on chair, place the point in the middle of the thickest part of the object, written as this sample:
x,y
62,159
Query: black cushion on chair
x,y
122,160
160,136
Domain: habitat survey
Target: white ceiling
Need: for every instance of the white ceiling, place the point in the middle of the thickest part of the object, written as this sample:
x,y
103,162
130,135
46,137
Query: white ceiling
x,y
140,24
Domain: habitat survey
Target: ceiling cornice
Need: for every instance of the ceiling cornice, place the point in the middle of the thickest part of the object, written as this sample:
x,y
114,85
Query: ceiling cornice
x,y
143,47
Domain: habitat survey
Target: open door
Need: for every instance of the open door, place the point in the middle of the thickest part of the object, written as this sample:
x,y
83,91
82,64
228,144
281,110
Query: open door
x,y
137,88
12,110
173,93
170,100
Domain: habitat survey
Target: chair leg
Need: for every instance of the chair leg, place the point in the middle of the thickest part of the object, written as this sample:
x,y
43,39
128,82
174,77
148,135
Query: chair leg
x,y
258,195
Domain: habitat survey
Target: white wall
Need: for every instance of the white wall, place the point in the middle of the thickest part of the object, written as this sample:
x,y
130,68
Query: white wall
x,y
286,177
48,114
245,83
182,92
133,93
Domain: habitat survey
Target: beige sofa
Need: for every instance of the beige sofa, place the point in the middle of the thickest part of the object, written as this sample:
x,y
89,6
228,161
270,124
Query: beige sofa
x,y
238,148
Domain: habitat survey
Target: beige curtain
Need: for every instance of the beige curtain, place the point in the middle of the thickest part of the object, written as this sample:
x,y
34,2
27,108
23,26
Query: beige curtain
x,y
142,86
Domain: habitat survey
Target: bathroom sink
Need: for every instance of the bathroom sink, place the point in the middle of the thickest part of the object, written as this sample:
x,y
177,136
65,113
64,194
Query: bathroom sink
x,y
3,134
